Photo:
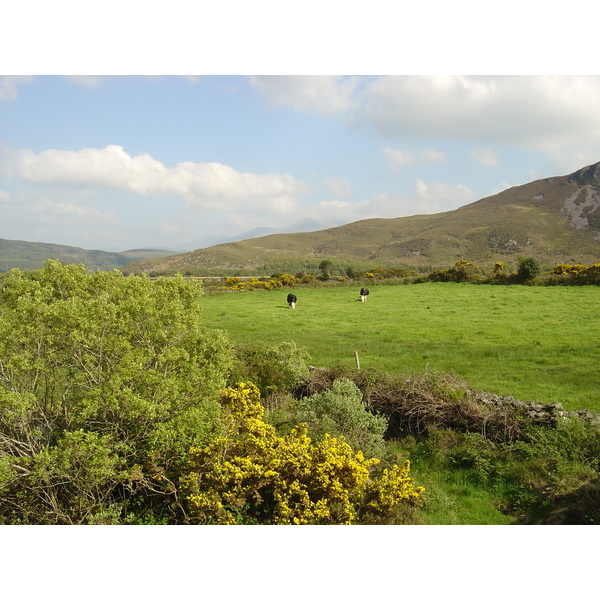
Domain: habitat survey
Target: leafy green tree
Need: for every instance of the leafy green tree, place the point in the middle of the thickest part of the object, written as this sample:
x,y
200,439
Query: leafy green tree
x,y
273,369
528,269
106,366
325,268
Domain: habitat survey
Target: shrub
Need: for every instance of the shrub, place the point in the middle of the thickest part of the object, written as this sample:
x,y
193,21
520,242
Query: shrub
x,y
341,411
576,274
461,271
105,367
528,269
273,368
251,475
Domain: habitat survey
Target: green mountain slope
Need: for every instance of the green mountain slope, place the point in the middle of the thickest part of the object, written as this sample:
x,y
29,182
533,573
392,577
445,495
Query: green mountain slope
x,y
17,254
554,220
30,255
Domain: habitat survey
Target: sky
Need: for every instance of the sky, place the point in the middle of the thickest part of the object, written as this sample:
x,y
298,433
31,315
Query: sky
x,y
113,161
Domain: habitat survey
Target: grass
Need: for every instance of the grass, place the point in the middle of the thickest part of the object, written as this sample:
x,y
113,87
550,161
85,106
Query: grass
x,y
452,496
534,343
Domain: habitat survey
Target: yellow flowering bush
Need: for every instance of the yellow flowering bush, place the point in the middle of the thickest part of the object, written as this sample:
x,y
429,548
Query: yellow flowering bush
x,y
256,284
252,475
579,273
288,280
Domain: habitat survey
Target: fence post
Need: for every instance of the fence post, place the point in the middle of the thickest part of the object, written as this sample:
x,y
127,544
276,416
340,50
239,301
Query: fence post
x,y
357,361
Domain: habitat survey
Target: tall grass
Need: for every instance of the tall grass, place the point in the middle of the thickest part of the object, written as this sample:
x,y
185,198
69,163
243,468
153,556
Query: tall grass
x,y
534,343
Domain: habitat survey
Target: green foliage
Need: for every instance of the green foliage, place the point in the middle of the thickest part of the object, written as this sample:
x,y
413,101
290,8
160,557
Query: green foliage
x,y
325,267
273,368
106,364
461,271
341,411
549,475
528,269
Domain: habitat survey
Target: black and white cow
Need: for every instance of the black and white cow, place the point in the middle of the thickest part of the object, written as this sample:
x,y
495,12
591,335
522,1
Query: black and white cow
x,y
291,300
364,292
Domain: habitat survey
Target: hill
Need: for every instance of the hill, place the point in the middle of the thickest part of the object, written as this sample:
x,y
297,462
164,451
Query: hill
x,y
30,255
554,220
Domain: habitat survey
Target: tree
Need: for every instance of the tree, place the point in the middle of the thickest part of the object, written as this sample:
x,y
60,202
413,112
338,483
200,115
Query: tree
x,y
528,269
276,368
324,267
105,366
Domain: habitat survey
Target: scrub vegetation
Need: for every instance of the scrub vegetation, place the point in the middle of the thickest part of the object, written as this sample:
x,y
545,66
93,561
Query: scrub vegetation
x,y
128,400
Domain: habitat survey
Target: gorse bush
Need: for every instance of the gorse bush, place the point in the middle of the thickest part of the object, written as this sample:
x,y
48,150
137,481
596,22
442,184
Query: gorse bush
x,y
252,475
461,271
575,275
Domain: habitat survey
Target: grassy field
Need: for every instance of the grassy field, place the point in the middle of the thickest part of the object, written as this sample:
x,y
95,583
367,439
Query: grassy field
x,y
534,343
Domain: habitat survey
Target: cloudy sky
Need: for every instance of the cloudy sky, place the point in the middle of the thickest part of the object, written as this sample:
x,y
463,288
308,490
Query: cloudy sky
x,y
115,162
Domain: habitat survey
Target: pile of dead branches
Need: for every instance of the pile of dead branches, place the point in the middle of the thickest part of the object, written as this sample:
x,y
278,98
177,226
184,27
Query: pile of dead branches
x,y
419,403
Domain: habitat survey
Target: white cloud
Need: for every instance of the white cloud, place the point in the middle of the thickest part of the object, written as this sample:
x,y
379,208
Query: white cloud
x,y
486,157
49,210
558,115
438,197
401,158
324,94
206,185
9,86
338,186
425,198
5,196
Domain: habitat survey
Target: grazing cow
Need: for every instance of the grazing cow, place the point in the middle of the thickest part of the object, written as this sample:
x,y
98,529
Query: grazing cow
x,y
364,292
291,300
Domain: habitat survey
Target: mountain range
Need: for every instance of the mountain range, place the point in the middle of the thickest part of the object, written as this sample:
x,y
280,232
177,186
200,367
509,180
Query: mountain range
x,y
31,255
207,241
554,220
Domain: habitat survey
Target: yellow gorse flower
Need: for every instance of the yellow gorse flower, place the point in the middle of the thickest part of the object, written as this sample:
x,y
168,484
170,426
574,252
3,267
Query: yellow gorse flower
x,y
253,475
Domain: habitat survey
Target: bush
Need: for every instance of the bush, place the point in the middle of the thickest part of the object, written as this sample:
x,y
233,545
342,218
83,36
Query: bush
x,y
576,275
528,269
105,367
273,369
461,271
252,475
341,411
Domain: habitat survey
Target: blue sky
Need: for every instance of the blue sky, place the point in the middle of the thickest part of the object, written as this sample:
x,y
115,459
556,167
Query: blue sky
x,y
115,162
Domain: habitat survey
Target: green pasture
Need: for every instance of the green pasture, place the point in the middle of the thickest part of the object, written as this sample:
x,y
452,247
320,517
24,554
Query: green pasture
x,y
534,343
